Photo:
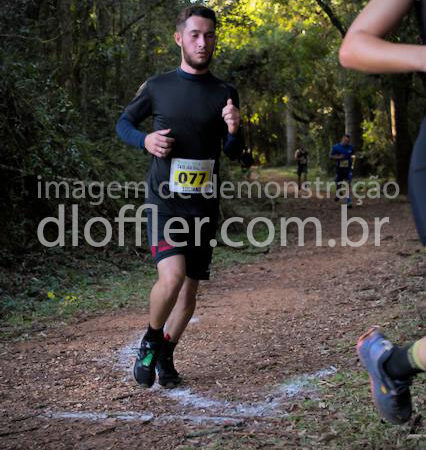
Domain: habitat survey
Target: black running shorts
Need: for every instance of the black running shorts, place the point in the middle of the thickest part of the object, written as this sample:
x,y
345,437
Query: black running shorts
x,y
198,255
343,175
302,168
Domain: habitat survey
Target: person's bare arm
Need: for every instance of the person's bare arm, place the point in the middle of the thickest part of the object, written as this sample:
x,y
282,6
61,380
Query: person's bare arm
x,y
365,49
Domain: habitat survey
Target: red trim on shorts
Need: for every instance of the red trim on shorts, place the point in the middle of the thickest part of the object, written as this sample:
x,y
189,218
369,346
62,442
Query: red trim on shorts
x,y
163,246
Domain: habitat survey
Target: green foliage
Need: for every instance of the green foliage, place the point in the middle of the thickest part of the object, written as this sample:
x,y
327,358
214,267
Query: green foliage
x,y
36,120
378,151
68,68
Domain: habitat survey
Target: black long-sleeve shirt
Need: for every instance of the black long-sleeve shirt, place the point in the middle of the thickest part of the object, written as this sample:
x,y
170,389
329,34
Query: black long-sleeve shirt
x,y
191,106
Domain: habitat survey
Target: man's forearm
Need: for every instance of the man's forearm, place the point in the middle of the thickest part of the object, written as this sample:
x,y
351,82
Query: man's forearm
x,y
363,51
128,133
365,48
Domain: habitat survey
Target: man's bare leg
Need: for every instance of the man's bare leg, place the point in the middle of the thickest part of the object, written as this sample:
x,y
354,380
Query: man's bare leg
x,y
171,276
181,314
183,310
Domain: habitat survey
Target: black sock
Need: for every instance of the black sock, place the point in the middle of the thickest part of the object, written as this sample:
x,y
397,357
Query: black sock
x,y
398,366
154,335
169,347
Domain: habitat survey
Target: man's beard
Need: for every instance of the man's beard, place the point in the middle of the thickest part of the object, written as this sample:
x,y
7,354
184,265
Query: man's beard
x,y
194,64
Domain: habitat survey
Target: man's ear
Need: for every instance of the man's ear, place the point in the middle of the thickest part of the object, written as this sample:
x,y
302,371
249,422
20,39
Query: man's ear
x,y
178,39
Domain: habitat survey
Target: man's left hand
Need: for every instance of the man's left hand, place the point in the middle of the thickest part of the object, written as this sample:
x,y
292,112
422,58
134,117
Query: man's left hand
x,y
231,116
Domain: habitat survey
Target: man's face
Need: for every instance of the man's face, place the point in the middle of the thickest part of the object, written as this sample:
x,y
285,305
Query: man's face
x,y
345,140
197,40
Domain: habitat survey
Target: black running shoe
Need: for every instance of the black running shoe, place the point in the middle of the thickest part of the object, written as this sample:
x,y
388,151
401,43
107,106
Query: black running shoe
x,y
146,359
168,376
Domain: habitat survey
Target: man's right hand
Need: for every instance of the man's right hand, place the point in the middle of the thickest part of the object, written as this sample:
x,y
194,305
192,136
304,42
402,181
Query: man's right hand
x,y
158,144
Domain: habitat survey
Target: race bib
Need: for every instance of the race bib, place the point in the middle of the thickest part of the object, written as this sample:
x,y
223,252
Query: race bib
x,y
303,160
344,163
191,176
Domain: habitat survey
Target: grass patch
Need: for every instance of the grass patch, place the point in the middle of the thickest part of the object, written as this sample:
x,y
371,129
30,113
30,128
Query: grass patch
x,y
315,173
68,285
345,418
60,285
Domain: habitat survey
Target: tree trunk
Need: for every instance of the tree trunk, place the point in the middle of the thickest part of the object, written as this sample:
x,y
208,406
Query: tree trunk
x,y
291,133
104,29
65,43
84,61
403,143
118,82
353,120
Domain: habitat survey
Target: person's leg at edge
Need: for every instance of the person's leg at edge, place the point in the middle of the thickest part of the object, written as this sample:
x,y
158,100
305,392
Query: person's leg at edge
x,y
407,361
419,353
417,183
387,364
164,294
391,369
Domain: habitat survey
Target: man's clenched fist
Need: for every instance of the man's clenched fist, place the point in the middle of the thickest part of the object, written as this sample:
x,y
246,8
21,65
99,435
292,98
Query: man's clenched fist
x,y
231,115
158,144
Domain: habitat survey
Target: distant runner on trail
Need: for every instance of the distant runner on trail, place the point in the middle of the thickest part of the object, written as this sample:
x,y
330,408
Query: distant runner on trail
x,y
195,115
392,368
301,156
343,154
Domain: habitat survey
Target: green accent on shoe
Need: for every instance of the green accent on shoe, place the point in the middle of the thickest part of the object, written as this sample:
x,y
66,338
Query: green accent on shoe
x,y
148,358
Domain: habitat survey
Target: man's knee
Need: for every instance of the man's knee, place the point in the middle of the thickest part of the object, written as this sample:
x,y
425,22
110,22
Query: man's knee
x,y
172,278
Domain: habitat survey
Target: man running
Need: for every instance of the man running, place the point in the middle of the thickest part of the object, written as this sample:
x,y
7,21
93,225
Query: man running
x,y
391,368
194,115
343,154
301,156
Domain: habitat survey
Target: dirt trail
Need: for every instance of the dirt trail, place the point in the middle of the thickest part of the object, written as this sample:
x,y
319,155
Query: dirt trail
x,y
261,333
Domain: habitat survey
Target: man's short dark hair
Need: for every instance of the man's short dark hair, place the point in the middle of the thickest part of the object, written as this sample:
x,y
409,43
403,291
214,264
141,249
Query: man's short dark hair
x,y
197,10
